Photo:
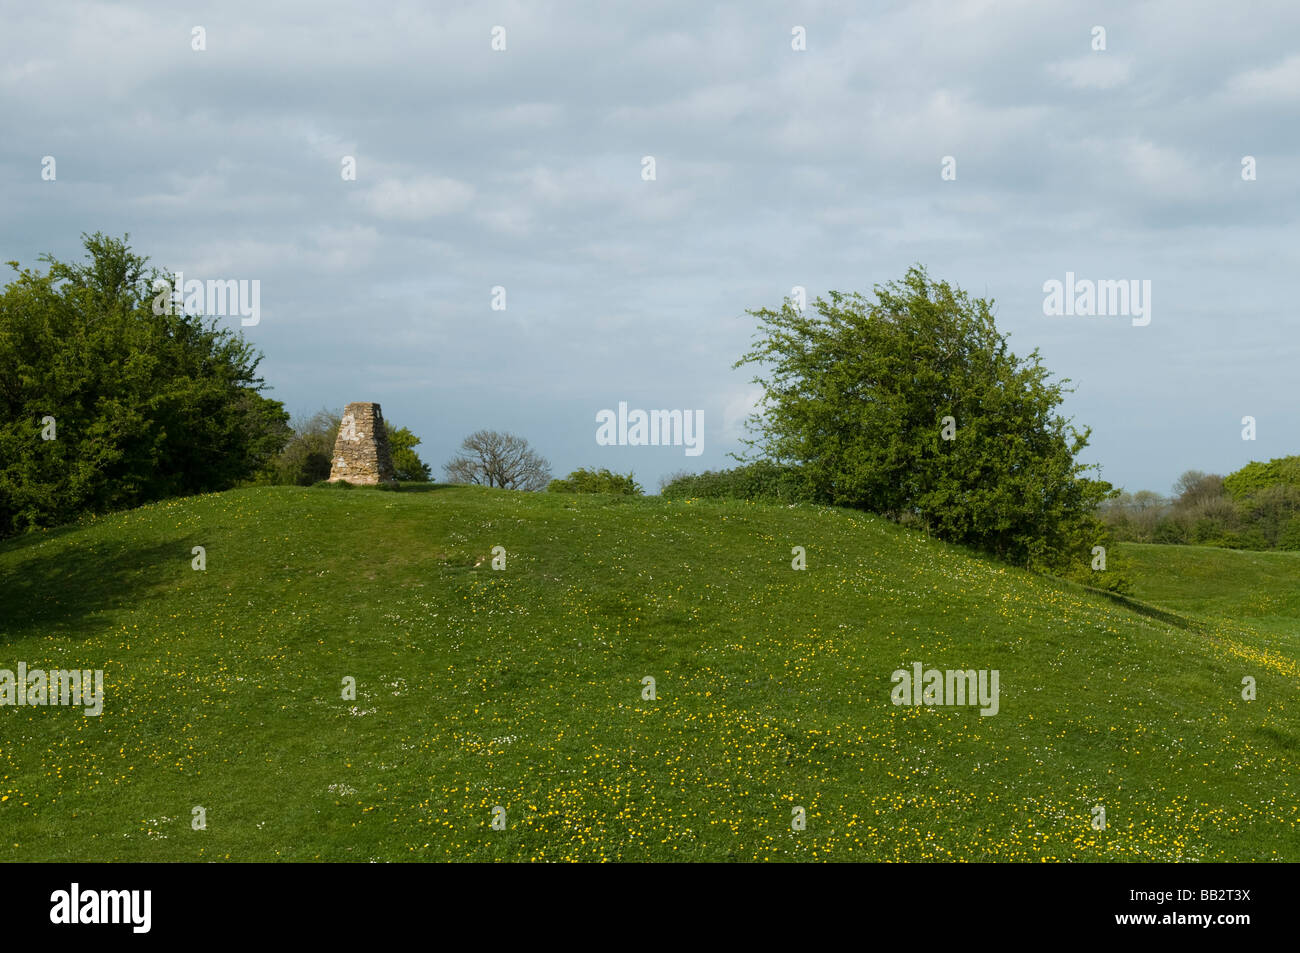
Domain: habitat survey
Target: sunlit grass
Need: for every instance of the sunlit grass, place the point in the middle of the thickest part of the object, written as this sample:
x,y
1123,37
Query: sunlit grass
x,y
522,688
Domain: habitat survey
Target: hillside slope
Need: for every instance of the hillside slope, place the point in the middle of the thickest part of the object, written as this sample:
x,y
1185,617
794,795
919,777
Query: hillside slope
x,y
522,688
1257,589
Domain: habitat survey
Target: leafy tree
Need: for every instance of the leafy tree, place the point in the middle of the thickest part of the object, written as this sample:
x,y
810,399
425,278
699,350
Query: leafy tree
x,y
583,480
1257,507
1255,476
490,458
1145,512
1289,536
1265,512
862,395
139,405
406,462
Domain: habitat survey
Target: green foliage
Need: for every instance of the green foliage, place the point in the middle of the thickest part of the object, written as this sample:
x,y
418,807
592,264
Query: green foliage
x,y
1257,507
1256,476
858,395
406,462
761,480
144,405
583,480
1265,511
1289,536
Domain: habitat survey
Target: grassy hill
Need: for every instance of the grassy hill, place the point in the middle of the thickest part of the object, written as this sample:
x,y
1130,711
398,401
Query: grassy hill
x,y
522,688
1258,589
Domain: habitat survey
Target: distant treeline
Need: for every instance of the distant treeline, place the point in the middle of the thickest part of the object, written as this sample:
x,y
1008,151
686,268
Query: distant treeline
x,y
1257,507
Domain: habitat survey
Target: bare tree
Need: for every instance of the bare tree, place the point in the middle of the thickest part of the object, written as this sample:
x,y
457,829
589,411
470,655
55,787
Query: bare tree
x,y
1195,488
497,459
1144,500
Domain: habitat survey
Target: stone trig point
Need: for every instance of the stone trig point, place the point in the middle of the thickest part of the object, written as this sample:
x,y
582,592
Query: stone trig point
x,y
361,452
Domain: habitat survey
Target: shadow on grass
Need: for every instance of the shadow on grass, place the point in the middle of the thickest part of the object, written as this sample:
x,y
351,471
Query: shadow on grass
x,y
1153,612
343,486
424,487
58,590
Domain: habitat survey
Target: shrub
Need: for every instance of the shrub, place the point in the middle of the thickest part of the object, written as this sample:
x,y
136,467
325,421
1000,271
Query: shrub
x,y
407,464
135,404
1289,538
914,403
583,480
762,480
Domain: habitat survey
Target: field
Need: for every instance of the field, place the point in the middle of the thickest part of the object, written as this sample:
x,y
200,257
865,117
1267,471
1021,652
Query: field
x,y
522,688
1260,590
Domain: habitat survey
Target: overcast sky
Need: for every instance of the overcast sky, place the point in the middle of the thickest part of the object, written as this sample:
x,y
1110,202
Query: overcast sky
x,y
775,167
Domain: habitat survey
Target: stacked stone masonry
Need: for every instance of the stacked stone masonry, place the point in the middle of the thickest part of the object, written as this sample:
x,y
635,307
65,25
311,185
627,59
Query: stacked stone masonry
x,y
361,453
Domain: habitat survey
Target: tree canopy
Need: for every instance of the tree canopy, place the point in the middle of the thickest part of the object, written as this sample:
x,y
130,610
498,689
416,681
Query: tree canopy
x,y
105,404
911,404
407,464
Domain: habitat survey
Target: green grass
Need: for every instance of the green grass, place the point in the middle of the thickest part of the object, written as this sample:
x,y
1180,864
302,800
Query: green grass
x,y
1259,589
522,688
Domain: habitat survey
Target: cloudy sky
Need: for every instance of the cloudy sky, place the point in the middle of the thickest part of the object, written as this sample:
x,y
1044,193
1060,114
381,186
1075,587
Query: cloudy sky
x,y
774,167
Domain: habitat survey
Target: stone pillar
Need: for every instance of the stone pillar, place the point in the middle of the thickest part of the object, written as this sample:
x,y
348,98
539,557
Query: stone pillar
x,y
361,452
